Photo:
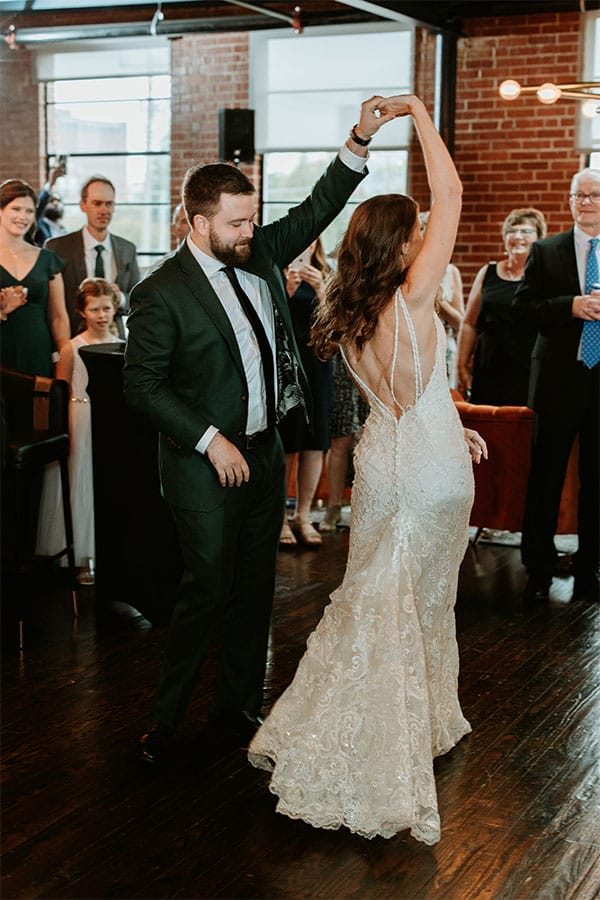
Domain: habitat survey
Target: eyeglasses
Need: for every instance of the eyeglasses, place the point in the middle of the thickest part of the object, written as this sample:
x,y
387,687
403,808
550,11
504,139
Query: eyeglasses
x,y
525,229
579,197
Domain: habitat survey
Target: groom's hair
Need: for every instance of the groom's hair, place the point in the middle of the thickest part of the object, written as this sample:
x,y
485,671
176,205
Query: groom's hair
x,y
203,186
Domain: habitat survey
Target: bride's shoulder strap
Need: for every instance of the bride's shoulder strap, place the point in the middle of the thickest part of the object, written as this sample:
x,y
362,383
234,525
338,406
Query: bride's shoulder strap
x,y
400,303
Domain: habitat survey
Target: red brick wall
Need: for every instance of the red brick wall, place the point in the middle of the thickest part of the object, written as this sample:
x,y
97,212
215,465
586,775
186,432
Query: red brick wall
x,y
20,111
518,153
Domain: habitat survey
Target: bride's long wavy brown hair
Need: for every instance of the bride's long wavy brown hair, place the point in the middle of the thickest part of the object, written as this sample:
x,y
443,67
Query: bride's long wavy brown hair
x,y
370,266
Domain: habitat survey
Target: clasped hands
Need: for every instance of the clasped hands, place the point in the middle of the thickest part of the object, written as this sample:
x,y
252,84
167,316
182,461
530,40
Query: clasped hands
x,y
376,111
587,306
11,298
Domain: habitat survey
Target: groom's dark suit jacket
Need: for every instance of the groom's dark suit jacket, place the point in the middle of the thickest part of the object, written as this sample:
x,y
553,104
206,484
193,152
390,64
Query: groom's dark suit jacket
x,y
71,249
183,367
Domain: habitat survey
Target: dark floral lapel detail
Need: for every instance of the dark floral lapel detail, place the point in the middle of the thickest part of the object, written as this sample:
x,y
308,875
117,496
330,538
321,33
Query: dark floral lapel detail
x,y
289,392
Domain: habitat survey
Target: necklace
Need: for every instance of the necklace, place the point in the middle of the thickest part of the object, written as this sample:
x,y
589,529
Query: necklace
x,y
513,276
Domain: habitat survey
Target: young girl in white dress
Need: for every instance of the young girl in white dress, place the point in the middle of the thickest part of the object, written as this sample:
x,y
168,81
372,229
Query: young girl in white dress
x,y
97,302
375,698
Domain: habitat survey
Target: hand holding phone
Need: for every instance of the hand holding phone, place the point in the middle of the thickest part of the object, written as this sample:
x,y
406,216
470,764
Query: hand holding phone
x,y
302,260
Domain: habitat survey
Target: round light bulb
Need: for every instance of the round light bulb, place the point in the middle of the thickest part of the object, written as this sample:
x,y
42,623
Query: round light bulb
x,y
509,89
548,93
591,108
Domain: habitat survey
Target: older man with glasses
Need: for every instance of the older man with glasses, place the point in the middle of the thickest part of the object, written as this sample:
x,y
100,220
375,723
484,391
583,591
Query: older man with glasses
x,y
560,296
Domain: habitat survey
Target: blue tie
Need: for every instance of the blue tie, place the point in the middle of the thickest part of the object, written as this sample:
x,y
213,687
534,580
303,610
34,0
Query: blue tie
x,y
590,344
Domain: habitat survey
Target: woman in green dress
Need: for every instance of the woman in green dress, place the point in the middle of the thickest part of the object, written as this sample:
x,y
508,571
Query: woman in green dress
x,y
32,295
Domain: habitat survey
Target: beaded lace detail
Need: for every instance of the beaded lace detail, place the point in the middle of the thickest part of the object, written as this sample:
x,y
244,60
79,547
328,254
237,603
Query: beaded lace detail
x,y
352,740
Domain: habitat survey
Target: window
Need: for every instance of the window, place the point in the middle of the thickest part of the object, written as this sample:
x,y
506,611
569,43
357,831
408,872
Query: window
x,y
120,127
307,92
289,177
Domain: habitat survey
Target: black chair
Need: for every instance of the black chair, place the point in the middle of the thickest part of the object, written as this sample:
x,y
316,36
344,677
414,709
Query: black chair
x,y
35,424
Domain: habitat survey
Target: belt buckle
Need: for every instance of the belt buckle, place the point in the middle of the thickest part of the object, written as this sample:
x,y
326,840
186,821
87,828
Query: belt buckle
x,y
255,440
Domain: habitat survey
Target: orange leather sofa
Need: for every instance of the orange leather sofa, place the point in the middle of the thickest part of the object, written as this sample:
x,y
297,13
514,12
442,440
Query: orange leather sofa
x,y
501,481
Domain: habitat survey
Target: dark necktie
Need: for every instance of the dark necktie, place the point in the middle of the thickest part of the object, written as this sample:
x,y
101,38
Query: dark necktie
x,y
99,267
590,344
262,340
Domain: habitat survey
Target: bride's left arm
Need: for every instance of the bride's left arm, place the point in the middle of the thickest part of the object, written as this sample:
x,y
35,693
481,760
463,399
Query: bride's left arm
x,y
476,444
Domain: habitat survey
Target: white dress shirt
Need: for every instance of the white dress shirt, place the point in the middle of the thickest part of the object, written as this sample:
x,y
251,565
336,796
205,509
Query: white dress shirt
x,y
258,292
582,249
89,244
260,297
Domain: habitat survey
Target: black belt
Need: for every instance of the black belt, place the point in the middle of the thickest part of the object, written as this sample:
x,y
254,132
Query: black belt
x,y
258,439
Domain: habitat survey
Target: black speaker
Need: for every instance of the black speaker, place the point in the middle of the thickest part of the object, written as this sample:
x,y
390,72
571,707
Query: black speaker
x,y
236,135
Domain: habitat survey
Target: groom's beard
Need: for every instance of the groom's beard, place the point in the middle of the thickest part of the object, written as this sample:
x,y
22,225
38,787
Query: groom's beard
x,y
230,254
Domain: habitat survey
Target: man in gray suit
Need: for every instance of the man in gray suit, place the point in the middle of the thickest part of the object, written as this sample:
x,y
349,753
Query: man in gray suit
x,y
94,251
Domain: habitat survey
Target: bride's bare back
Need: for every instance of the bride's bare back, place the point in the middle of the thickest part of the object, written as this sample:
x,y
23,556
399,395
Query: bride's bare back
x,y
378,363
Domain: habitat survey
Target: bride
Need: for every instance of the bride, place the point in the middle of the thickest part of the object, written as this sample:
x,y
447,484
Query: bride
x,y
375,698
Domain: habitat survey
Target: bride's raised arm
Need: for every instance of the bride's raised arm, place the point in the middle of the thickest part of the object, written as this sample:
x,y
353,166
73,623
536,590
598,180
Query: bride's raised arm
x,y
427,270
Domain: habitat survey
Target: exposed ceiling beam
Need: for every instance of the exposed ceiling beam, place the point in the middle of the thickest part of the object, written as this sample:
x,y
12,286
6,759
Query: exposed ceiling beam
x,y
265,12
375,9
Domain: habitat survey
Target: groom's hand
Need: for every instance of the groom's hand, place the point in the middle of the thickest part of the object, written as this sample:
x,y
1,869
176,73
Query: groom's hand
x,y
228,462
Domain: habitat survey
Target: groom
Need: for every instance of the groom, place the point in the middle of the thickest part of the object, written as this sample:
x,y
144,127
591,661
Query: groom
x,y
213,363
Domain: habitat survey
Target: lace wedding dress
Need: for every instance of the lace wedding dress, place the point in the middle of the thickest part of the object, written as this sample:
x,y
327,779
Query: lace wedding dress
x,y
352,740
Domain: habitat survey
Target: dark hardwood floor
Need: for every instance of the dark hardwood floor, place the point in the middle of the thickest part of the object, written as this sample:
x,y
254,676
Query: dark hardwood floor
x,y
519,797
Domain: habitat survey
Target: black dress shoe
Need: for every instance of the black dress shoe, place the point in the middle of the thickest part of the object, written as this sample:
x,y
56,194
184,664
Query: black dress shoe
x,y
155,745
537,588
586,589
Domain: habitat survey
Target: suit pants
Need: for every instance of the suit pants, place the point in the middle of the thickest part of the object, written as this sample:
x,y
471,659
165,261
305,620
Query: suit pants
x,y
227,591
553,434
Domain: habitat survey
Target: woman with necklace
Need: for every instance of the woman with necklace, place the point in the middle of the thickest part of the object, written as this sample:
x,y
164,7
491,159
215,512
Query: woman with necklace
x,y
32,298
493,351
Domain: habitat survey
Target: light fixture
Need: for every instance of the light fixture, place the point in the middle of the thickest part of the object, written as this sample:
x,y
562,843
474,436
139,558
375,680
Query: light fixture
x,y
549,93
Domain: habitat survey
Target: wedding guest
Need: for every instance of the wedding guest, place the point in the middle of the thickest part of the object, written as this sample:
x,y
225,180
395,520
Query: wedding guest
x,y
94,251
304,286
348,414
97,302
494,350
32,300
560,299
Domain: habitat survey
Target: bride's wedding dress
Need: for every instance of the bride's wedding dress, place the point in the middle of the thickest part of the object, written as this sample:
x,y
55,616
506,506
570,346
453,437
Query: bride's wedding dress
x,y
352,740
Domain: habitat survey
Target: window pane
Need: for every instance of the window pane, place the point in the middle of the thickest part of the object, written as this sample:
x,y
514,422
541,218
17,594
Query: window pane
x,y
307,93
137,179
147,226
322,119
115,126
91,89
126,57
343,61
289,177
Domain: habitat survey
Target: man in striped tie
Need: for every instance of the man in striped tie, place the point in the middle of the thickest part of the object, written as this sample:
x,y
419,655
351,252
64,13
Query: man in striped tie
x,y
560,296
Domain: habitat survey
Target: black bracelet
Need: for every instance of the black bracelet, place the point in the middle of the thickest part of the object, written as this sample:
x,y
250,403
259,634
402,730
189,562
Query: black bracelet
x,y
358,140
